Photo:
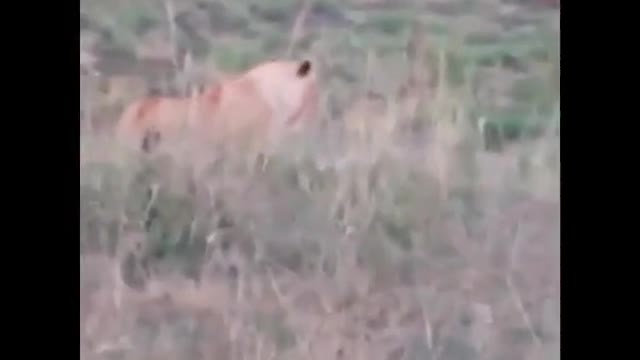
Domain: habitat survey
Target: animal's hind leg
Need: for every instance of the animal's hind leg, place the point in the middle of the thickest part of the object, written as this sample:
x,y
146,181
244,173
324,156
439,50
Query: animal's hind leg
x,y
150,140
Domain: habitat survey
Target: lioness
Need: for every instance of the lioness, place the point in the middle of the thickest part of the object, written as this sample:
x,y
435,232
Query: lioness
x,y
269,97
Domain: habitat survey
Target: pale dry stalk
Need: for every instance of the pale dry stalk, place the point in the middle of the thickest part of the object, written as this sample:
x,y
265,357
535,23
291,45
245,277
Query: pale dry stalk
x,y
297,29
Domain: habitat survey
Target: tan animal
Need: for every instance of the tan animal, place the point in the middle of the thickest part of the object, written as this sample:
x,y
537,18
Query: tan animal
x,y
152,118
272,96
262,103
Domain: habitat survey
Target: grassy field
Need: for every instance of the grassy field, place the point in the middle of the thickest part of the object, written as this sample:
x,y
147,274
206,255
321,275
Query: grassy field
x,y
382,233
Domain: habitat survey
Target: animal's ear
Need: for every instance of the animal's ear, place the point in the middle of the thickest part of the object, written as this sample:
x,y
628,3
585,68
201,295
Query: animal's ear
x,y
304,68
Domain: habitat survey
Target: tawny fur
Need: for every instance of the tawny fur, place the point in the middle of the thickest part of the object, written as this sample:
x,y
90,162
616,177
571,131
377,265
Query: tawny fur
x,y
268,98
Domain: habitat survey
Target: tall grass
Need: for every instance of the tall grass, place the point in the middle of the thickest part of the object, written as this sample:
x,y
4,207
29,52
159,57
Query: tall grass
x,y
385,232
363,239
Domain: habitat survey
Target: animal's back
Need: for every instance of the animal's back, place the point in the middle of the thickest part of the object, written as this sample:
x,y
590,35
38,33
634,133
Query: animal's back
x,y
152,114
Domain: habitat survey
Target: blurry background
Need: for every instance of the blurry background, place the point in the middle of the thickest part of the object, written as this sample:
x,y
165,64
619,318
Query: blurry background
x,y
393,231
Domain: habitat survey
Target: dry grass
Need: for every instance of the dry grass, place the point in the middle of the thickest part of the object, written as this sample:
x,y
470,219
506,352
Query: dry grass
x,y
386,233
365,251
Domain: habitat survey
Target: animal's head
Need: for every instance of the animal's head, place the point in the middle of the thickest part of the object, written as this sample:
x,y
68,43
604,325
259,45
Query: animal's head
x,y
289,87
309,103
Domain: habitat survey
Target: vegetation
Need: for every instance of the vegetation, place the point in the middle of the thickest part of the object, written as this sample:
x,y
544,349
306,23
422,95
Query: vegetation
x,y
427,234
